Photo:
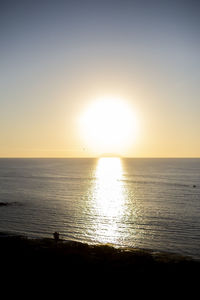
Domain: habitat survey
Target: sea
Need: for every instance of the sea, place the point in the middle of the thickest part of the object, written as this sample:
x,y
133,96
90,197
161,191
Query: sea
x,y
146,203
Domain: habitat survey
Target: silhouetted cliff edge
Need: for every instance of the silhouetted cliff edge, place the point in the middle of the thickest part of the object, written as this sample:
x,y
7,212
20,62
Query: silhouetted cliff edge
x,y
60,261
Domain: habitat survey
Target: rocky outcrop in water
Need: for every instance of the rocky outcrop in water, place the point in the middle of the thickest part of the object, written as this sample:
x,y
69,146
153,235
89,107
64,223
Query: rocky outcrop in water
x,y
8,203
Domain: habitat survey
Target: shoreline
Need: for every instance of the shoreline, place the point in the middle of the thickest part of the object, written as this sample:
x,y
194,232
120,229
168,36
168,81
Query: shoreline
x,y
50,242
46,257
65,242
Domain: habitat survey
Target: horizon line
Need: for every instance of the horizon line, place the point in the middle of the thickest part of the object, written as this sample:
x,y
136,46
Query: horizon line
x,y
87,157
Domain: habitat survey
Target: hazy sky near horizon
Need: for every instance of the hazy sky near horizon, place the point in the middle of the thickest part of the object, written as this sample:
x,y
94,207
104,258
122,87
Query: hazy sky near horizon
x,y
56,57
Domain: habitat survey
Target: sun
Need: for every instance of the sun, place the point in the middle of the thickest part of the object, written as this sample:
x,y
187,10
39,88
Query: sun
x,y
108,125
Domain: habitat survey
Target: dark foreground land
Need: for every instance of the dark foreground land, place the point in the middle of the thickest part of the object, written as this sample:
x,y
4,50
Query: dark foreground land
x,y
66,261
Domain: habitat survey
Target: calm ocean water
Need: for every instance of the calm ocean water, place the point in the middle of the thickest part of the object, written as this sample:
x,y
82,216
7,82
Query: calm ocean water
x,y
145,203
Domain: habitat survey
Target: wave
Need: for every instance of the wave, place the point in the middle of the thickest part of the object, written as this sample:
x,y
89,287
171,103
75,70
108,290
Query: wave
x,y
157,182
48,177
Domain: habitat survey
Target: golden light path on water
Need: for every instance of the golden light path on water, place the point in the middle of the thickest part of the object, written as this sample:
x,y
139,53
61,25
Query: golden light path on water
x,y
108,200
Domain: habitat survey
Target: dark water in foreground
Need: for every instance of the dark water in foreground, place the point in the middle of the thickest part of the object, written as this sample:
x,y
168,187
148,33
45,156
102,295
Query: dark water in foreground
x,y
145,203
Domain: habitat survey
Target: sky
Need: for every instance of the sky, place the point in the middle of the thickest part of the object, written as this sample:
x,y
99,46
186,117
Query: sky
x,y
57,57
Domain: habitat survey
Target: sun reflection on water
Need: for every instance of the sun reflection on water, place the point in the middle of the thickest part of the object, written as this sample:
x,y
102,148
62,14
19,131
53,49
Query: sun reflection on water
x,y
108,200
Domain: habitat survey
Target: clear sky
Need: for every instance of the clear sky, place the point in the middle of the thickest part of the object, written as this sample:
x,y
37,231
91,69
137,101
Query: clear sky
x,y
58,57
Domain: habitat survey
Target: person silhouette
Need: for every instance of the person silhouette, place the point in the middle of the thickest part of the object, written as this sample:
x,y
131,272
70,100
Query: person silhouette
x,y
56,236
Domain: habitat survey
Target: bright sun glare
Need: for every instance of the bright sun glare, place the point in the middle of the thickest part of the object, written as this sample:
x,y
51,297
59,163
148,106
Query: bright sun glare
x,y
108,126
